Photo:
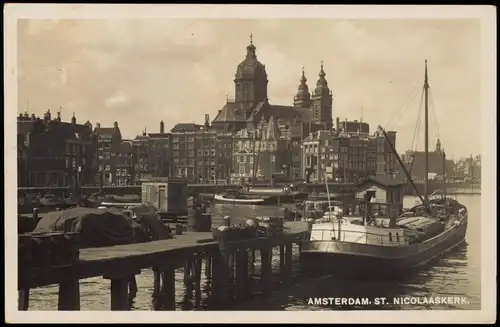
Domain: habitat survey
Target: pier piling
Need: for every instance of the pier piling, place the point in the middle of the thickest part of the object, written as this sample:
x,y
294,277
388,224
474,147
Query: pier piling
x,y
282,260
241,282
188,266
167,289
69,295
197,280
266,269
208,268
119,293
24,299
220,278
288,258
229,267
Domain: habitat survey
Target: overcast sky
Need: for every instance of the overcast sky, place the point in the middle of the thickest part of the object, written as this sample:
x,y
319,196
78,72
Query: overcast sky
x,y
139,72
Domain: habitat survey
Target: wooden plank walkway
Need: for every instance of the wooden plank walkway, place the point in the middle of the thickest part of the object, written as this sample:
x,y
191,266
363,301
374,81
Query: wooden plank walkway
x,y
129,259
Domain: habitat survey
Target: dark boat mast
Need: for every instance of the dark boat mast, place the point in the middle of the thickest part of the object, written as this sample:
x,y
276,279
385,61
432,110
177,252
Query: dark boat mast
x,y
256,155
425,198
426,170
444,175
398,158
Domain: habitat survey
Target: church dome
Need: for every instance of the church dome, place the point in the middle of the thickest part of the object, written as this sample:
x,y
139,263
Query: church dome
x,y
250,67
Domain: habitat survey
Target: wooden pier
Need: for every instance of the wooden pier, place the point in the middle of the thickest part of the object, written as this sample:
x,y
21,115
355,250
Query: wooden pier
x,y
229,268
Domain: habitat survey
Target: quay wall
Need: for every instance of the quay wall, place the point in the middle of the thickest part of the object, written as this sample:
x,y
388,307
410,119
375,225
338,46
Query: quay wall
x,y
196,189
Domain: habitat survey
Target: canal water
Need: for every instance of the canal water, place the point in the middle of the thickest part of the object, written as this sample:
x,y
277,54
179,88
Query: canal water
x,y
457,273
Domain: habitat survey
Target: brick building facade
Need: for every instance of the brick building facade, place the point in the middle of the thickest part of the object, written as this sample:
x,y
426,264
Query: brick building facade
x,y
152,154
200,153
262,151
54,153
347,157
109,143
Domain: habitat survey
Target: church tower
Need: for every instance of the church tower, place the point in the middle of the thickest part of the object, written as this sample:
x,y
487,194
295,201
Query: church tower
x,y
303,98
321,109
250,81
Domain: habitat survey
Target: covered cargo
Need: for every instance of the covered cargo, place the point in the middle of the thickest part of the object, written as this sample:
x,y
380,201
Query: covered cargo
x,y
426,227
97,227
147,216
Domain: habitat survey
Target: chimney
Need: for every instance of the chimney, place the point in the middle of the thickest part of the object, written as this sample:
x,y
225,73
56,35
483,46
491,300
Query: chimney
x,y
337,125
207,121
49,116
58,116
162,127
73,119
46,116
97,125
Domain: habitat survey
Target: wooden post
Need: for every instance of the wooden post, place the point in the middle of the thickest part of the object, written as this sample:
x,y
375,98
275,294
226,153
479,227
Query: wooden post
x,y
24,299
252,263
156,282
227,221
241,275
208,268
220,278
119,293
168,288
197,280
265,258
132,289
69,295
187,272
232,266
282,259
288,259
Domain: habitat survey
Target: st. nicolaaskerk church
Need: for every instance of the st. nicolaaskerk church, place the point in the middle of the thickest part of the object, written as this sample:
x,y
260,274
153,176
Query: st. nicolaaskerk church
x,y
250,105
268,137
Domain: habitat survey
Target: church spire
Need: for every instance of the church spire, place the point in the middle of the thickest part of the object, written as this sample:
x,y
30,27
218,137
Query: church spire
x,y
322,83
251,49
302,98
321,108
303,79
322,73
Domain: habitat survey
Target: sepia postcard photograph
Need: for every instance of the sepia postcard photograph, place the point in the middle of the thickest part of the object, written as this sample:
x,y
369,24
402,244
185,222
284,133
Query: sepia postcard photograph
x,y
260,161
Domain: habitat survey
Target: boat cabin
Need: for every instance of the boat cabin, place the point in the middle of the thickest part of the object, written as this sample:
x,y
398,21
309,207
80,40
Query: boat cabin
x,y
380,196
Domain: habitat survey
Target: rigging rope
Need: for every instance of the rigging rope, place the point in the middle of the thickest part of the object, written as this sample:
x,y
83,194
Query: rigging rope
x,y
431,131
414,142
410,99
434,114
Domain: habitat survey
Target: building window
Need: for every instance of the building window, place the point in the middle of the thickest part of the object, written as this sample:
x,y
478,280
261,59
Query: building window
x,y
390,237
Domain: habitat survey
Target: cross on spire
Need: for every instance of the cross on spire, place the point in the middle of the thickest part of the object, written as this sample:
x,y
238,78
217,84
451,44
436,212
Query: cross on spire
x,y
251,38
